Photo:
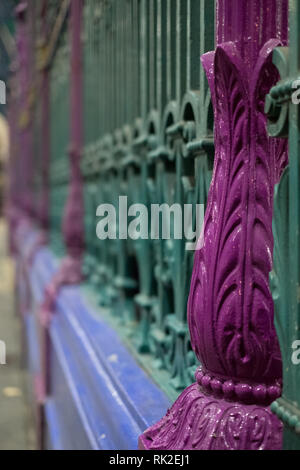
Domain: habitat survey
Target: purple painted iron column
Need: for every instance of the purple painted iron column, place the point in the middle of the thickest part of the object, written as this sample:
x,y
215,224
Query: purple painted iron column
x,y
22,211
230,308
21,40
45,127
43,203
14,162
25,45
73,223
70,271
31,208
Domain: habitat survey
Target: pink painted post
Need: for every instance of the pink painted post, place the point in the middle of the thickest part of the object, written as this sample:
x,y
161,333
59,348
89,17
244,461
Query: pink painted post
x,y
12,193
43,203
21,14
230,308
21,199
25,38
70,271
73,223
30,203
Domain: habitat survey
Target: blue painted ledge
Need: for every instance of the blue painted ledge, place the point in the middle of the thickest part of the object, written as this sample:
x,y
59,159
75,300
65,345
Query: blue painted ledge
x,y
100,397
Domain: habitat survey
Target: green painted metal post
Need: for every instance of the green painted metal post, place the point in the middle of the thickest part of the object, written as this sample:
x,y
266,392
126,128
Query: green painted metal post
x,y
284,120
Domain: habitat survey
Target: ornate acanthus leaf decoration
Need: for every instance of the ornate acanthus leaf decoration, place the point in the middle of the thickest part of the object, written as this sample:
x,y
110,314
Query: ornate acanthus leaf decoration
x,y
230,305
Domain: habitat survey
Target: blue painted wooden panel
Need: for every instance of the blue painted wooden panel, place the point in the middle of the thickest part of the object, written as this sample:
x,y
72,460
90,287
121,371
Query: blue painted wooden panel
x,y
100,398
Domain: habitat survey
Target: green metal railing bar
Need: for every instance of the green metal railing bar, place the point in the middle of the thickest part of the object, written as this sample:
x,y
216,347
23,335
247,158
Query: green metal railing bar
x,y
148,136
59,125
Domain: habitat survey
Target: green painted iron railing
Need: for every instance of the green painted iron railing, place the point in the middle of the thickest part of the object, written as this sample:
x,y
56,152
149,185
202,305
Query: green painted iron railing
x,y
285,278
59,139
148,136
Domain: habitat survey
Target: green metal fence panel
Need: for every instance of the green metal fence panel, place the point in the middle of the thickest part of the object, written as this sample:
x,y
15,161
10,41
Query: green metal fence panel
x,y
284,121
148,137
59,139
148,140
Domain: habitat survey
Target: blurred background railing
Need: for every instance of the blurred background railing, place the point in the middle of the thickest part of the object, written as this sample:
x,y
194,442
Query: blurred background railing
x,y
148,135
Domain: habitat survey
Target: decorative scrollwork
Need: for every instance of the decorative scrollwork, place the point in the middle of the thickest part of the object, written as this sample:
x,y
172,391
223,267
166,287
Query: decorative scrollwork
x,y
199,421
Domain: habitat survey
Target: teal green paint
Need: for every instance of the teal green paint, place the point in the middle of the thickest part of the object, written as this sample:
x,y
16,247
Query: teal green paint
x,y
148,136
59,134
285,277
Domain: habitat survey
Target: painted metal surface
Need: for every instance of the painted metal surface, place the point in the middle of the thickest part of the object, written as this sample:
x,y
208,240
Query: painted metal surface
x,y
149,137
283,116
143,134
126,91
230,307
